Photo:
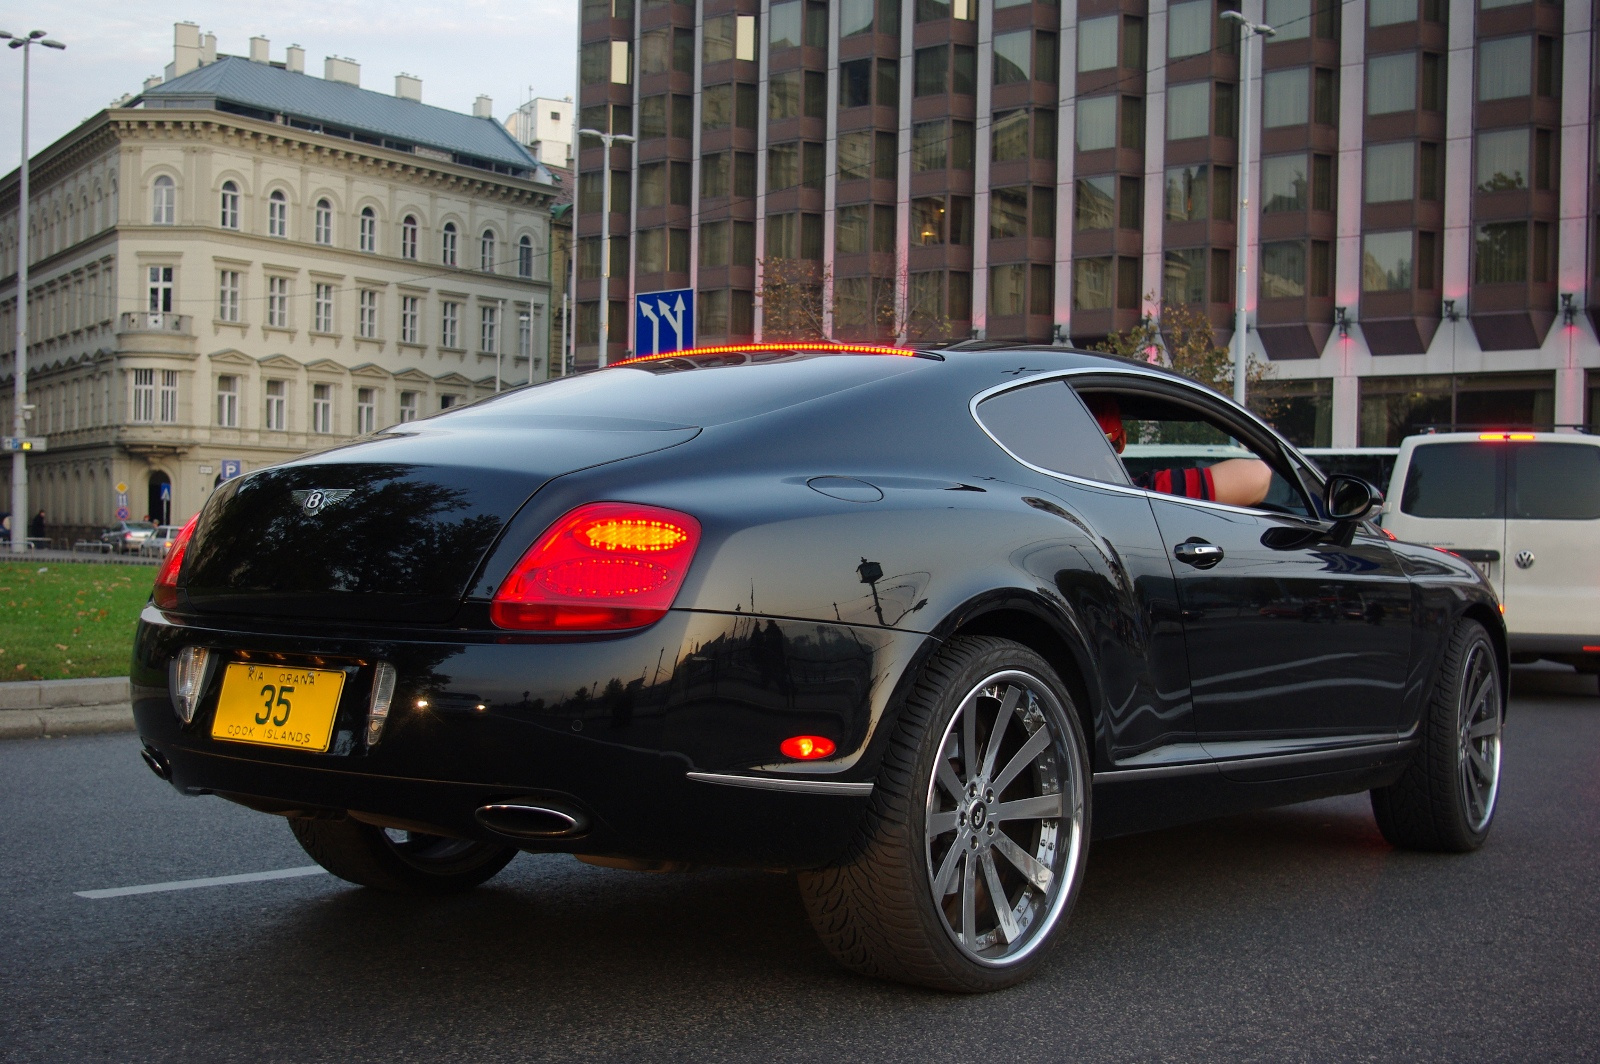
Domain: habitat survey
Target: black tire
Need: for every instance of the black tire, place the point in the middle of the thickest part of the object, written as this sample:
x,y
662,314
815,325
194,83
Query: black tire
x,y
1445,801
404,862
881,911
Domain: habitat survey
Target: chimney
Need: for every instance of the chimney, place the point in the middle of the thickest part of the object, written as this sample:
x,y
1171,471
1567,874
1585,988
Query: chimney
x,y
260,48
346,70
408,87
208,49
152,81
294,60
185,49
483,107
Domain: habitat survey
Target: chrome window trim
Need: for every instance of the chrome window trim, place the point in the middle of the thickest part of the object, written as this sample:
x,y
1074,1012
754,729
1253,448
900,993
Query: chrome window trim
x,y
1126,489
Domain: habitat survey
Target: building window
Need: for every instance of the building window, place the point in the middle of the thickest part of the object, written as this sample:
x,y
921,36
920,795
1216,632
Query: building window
x,y
160,290
408,237
1189,110
486,261
163,201
1284,185
525,258
278,214
1386,263
525,336
410,315
488,329
1097,123
230,205
1505,68
228,402
322,408
277,406
1501,253
1391,12
323,229
1391,83
144,397
1502,160
1286,97
449,324
369,230
367,322
408,406
228,295
1189,29
278,302
1283,269
366,410
447,244
448,401
1391,172
323,318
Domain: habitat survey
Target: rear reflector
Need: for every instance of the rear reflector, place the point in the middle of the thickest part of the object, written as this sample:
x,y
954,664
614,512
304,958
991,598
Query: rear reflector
x,y
165,592
807,747
604,567
1591,650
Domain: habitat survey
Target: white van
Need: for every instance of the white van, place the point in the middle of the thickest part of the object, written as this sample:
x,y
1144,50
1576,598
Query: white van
x,y
1525,508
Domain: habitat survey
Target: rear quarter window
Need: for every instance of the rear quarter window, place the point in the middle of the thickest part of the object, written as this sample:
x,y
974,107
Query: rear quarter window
x,y
1047,425
1555,481
1455,480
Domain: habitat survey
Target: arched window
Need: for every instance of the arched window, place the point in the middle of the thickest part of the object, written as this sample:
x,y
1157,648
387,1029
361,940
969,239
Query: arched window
x,y
278,214
369,230
323,230
408,237
486,251
447,244
525,257
163,201
230,205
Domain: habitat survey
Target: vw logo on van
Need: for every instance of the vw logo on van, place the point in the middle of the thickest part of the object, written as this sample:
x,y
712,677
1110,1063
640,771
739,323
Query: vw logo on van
x,y
1525,559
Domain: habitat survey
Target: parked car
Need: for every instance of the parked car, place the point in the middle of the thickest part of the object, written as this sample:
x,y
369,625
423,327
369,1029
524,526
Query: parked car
x,y
126,537
160,541
900,622
1525,508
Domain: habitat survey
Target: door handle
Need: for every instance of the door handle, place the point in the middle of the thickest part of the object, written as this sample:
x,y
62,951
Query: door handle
x,y
1198,553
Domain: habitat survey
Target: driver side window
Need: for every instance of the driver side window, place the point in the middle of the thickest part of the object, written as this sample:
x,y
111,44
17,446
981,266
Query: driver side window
x,y
1179,450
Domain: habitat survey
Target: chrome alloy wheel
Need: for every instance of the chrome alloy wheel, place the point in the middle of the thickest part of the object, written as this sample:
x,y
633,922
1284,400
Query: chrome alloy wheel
x,y
1478,727
1005,819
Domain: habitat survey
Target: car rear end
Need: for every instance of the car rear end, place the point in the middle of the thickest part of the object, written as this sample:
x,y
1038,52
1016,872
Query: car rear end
x,y
1525,508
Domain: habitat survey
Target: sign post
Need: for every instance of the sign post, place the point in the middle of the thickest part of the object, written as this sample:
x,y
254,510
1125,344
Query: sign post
x,y
663,321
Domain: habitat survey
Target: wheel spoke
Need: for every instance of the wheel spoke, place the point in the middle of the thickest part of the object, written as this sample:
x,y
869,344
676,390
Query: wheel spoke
x,y
947,872
1039,807
969,903
950,781
1037,743
1008,706
1478,761
997,898
969,739
940,823
1475,798
1024,862
1485,727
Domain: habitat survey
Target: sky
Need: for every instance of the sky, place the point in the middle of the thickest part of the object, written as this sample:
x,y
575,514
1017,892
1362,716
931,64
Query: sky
x,y
506,49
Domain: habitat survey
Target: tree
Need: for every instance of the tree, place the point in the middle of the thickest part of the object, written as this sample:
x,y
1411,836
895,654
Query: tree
x,y
1183,341
864,308
791,299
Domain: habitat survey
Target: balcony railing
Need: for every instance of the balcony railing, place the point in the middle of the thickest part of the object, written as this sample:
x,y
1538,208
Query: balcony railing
x,y
142,321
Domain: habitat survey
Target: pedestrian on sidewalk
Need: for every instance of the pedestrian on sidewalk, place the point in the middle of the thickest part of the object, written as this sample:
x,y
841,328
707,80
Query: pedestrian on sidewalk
x,y
36,526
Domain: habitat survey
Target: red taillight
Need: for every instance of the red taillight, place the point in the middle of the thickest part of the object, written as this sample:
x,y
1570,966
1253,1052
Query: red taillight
x,y
165,593
807,747
604,567
1503,436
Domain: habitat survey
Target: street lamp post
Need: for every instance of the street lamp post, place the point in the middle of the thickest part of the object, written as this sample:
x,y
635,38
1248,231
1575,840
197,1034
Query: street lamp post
x,y
1241,339
499,342
608,139
19,406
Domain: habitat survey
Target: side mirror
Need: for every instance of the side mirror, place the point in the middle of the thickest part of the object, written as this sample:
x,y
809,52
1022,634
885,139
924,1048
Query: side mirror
x,y
1348,500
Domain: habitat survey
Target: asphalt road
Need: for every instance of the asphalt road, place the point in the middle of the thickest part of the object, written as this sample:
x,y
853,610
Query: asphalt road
x,y
1295,934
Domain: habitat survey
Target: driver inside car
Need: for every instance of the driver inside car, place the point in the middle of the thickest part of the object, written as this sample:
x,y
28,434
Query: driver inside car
x,y
1235,481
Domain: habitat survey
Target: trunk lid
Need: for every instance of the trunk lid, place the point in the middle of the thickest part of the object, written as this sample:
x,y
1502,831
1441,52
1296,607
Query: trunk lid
x,y
394,527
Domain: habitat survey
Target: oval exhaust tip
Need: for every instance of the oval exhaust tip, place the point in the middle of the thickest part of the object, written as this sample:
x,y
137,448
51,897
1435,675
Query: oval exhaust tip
x,y
528,821
157,763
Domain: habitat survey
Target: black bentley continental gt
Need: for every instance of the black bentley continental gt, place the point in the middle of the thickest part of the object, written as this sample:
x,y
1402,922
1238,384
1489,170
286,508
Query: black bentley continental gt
x,y
915,625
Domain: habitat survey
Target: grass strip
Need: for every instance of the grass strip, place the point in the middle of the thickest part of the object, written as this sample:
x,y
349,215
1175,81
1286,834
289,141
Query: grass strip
x,y
65,620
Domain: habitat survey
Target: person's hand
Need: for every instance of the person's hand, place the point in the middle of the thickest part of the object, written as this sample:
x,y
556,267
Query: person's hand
x,y
1241,481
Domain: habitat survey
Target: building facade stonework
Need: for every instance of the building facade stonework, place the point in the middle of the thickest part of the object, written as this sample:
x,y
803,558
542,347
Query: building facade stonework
x,y
212,287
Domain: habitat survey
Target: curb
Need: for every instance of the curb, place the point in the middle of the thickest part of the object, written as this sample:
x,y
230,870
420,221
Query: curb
x,y
52,694
66,720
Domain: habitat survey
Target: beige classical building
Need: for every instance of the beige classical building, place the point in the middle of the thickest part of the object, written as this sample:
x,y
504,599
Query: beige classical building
x,y
245,262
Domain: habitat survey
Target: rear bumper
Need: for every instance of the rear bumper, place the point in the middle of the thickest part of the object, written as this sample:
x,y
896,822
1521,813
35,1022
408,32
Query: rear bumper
x,y
611,728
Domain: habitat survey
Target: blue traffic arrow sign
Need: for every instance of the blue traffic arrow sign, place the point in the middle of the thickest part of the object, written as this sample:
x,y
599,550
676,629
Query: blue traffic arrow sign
x,y
663,321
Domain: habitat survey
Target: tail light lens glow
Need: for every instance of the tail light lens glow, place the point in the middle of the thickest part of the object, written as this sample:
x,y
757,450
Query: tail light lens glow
x,y
606,566
1502,436
165,593
807,747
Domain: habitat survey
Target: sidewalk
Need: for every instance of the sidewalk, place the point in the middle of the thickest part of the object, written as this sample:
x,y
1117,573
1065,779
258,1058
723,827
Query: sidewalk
x,y
33,709
45,557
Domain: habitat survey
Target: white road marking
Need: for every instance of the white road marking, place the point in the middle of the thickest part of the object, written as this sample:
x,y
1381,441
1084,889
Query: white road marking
x,y
210,881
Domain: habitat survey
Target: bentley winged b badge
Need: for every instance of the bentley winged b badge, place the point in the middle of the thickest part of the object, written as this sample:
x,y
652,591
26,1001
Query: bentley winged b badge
x,y
315,500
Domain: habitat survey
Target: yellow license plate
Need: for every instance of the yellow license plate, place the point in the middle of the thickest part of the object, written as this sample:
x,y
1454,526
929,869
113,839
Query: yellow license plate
x,y
276,706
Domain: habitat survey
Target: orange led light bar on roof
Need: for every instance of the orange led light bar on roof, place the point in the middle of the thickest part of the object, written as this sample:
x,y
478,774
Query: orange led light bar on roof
x,y
1506,436
732,349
